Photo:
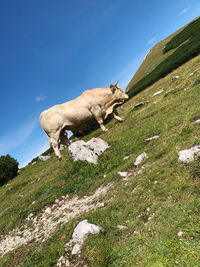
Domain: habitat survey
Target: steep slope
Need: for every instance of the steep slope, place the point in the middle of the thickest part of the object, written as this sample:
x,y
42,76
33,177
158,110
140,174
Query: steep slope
x,y
166,56
154,57
158,203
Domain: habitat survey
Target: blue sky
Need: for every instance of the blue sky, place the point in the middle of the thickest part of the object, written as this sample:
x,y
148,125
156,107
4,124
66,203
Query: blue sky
x,y
51,51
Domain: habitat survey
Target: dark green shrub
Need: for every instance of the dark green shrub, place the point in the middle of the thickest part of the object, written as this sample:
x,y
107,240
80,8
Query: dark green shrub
x,y
8,168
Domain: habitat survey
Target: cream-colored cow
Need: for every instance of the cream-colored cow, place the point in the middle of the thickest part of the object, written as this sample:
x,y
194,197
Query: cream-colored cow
x,y
96,104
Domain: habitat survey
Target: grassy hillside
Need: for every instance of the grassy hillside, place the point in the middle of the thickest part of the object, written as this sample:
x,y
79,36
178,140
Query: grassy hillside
x,y
154,57
158,204
166,56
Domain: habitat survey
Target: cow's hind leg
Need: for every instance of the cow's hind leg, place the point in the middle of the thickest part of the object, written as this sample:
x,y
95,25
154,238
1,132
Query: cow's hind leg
x,y
54,143
99,115
63,138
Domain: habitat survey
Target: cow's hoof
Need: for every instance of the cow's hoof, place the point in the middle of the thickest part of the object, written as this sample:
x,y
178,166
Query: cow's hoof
x,y
59,158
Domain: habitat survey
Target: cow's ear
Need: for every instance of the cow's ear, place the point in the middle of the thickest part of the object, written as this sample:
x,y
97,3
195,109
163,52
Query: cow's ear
x,y
113,89
111,86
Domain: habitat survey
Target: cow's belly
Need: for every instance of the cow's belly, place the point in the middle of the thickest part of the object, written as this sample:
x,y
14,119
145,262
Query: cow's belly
x,y
57,118
77,117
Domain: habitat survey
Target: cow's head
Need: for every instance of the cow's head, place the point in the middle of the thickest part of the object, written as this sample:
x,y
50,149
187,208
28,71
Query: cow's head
x,y
118,93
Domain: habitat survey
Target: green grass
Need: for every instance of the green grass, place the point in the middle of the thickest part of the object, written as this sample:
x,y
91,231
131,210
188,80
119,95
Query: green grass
x,y
174,199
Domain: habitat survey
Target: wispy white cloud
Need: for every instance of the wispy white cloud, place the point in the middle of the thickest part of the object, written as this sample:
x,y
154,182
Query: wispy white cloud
x,y
184,11
13,139
151,40
40,98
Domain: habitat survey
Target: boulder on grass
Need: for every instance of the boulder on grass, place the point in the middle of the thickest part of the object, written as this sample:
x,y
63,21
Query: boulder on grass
x,y
140,158
189,155
44,158
89,151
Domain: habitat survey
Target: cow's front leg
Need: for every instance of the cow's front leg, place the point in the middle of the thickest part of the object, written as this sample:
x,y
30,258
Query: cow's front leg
x,y
99,115
117,117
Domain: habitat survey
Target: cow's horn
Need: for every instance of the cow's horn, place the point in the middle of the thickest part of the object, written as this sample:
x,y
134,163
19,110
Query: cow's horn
x,y
116,83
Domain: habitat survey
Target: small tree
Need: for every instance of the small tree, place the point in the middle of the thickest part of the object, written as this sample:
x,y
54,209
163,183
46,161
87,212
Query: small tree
x,y
8,168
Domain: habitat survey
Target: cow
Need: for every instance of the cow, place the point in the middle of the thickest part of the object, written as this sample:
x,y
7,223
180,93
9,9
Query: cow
x,y
96,104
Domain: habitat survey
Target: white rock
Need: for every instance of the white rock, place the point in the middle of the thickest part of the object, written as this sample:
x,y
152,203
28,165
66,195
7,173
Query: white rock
x,y
82,231
48,210
29,216
175,77
126,157
99,205
44,158
61,258
140,104
63,261
197,121
76,249
180,233
121,227
152,138
189,155
88,151
123,174
140,158
62,147
159,92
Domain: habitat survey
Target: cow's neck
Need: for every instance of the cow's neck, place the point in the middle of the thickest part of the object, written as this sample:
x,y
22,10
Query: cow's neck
x,y
110,105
